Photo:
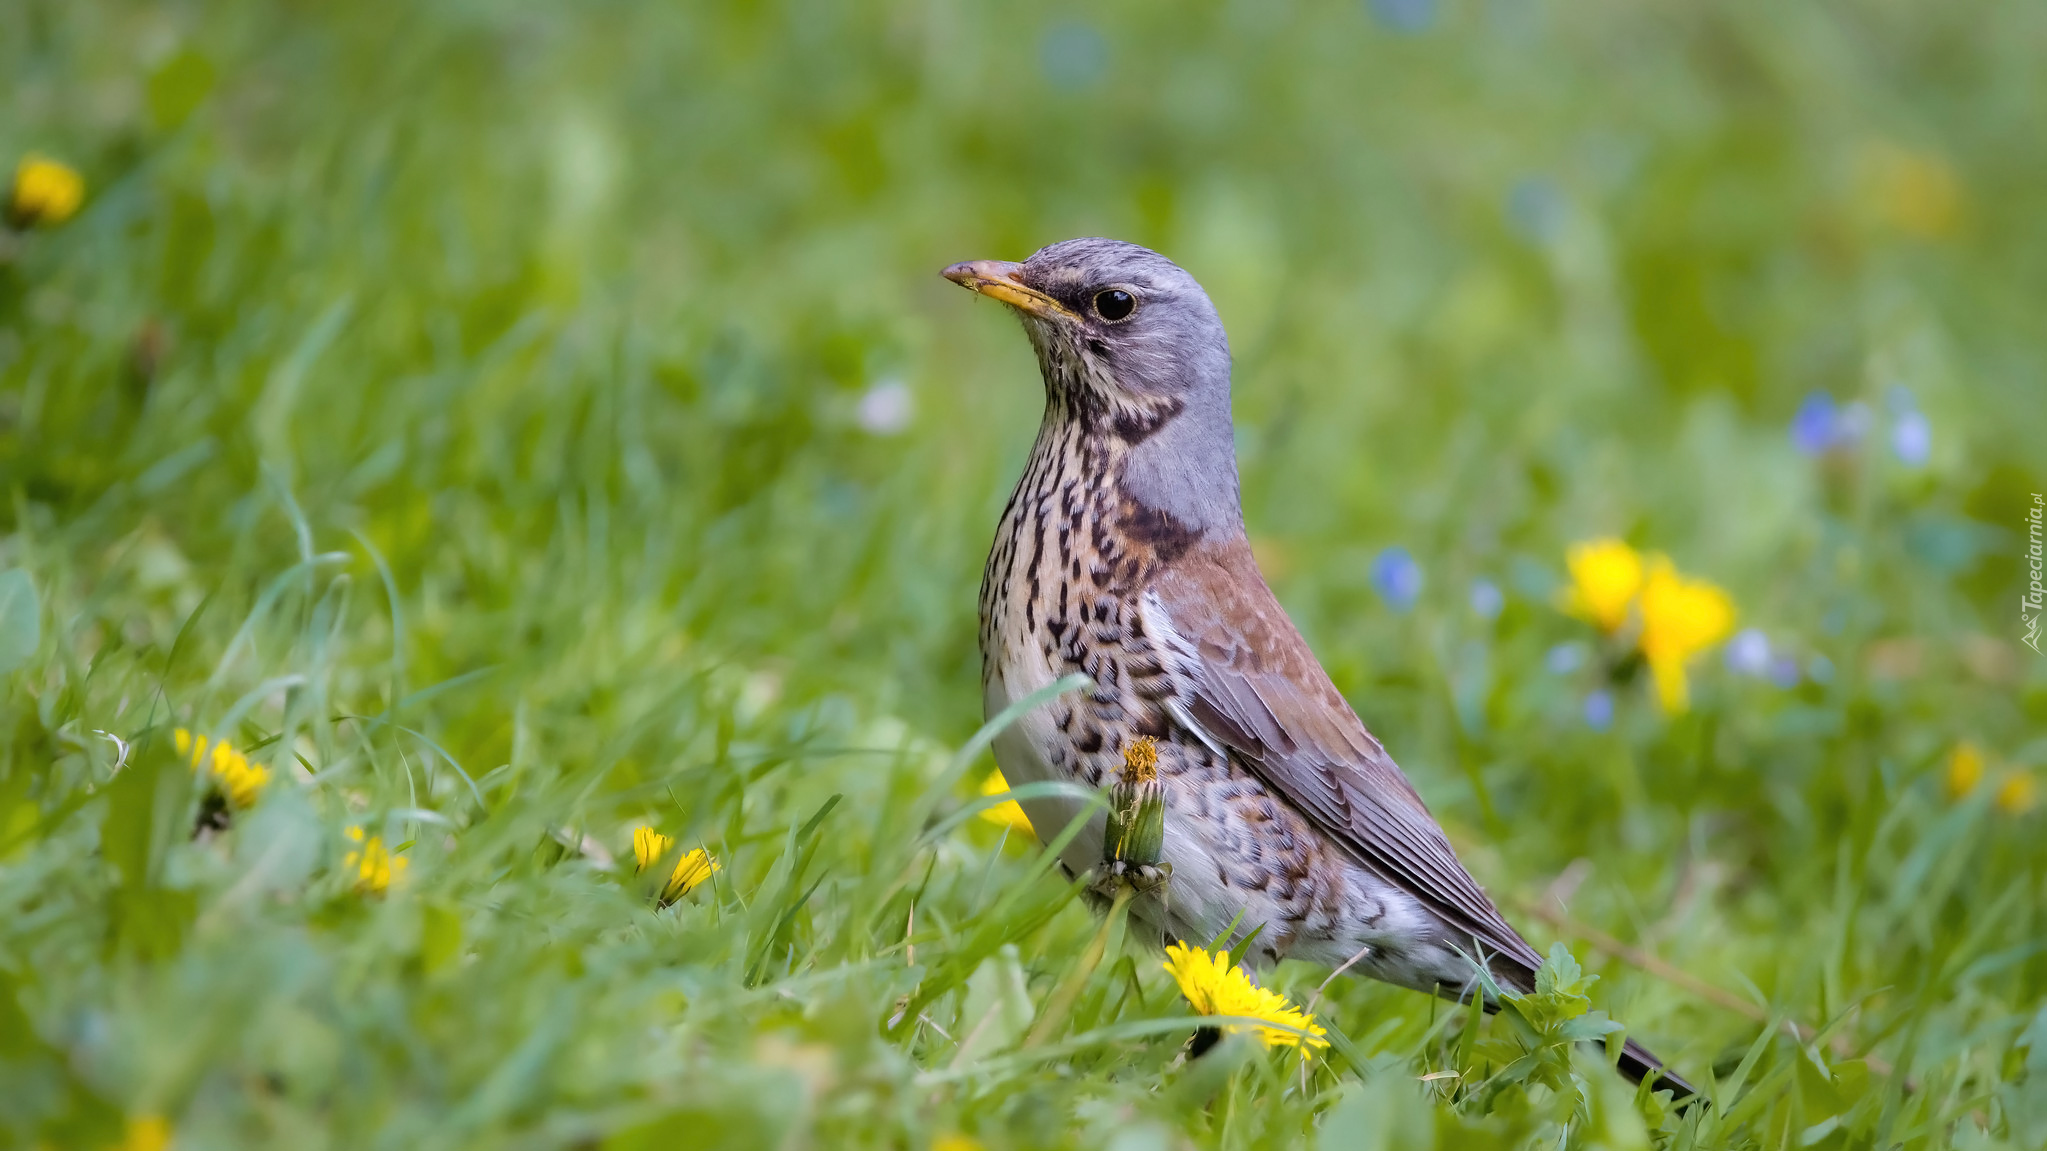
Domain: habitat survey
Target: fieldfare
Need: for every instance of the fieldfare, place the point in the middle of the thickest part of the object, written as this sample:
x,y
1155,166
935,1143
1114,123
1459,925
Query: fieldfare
x,y
1122,555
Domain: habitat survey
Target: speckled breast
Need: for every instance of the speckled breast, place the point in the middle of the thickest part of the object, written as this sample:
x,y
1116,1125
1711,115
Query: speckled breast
x,y
1061,594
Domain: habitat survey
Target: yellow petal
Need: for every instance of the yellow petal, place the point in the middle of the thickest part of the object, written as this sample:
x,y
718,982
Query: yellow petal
x,y
1672,689
1964,769
692,869
649,846
374,866
147,1133
1605,576
1680,618
1212,985
2018,793
244,782
45,192
1010,814
1192,968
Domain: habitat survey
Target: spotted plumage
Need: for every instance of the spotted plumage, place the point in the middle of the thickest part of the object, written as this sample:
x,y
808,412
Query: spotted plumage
x,y
1122,555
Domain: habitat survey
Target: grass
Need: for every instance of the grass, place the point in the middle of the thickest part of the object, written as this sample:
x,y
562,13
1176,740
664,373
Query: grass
x,y
461,411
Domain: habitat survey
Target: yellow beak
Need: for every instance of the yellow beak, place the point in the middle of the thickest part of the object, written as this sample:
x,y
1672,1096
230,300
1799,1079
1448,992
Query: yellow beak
x,y
1003,281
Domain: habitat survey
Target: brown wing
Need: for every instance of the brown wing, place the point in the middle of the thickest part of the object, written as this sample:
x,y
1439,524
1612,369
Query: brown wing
x,y
1259,691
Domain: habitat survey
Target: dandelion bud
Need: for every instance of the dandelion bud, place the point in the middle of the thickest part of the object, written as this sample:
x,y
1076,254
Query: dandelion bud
x,y
1137,809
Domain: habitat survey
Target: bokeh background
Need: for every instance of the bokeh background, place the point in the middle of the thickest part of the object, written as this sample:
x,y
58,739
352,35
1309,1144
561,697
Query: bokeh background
x,y
514,424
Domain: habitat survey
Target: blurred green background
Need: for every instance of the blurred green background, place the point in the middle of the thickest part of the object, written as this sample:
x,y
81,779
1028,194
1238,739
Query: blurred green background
x,y
518,423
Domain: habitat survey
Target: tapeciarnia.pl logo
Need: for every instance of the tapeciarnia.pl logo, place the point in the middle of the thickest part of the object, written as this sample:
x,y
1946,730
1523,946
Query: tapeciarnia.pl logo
x,y
2036,595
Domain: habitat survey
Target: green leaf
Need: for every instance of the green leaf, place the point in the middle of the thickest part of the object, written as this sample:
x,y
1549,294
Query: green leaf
x,y
1559,973
21,620
998,1007
177,88
1589,1027
440,937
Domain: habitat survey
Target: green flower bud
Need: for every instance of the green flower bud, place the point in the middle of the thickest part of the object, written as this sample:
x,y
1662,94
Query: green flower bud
x,y
1137,809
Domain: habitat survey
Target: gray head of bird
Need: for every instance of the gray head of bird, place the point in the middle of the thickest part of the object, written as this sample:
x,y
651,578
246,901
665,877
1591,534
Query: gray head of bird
x,y
1131,350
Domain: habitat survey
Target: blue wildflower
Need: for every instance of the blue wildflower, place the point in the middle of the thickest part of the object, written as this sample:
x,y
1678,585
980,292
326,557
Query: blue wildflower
x,y
1565,658
1404,15
1748,653
1397,578
1821,426
1783,671
1912,439
1599,710
1486,599
1812,429
1073,55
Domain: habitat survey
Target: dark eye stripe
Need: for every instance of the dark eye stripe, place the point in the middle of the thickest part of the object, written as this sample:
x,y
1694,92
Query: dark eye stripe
x,y
1115,304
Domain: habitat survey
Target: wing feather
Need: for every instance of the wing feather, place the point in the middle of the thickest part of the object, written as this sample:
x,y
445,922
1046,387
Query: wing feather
x,y
1253,685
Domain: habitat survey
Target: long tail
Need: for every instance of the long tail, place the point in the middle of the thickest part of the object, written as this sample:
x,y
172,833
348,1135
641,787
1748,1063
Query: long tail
x,y
1637,1063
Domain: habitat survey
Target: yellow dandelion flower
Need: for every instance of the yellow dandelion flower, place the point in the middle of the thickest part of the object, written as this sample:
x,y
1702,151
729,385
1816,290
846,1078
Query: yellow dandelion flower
x,y
955,1142
238,780
1141,760
373,865
2018,793
648,847
1680,618
45,194
692,869
1964,769
147,1133
1605,575
1215,986
1010,814
695,866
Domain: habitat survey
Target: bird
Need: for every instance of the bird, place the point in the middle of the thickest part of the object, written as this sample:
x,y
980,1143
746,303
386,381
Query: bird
x,y
1122,555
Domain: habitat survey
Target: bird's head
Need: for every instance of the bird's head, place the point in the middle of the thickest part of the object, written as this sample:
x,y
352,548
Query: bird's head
x,y
1130,347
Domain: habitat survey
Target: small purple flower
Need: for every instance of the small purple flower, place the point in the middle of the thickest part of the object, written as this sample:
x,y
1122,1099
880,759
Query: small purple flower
x,y
1812,429
1397,578
1912,440
1565,658
1783,671
1486,599
1599,710
1749,652
1821,426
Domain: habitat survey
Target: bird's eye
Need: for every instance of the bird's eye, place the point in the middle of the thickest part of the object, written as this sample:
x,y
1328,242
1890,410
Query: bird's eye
x,y
1115,304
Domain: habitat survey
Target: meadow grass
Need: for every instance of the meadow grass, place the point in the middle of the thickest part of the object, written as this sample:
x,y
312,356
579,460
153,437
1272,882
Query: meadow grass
x,y
513,426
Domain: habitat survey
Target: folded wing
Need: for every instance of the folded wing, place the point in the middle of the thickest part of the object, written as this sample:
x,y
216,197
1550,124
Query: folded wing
x,y
1255,687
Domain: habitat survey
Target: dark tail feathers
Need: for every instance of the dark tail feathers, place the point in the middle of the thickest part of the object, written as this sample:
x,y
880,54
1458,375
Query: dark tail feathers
x,y
1637,1064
